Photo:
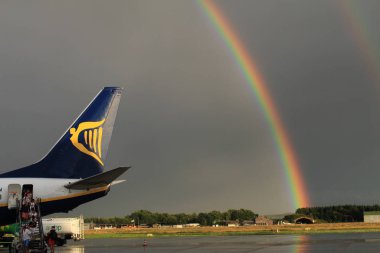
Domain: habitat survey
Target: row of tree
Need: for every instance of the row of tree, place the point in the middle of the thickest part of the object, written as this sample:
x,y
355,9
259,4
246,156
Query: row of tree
x,y
344,213
204,219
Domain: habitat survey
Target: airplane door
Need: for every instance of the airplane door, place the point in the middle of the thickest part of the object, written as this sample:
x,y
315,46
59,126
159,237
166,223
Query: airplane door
x,y
14,195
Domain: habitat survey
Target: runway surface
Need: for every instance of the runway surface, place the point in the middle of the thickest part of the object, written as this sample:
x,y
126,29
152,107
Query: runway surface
x,y
355,242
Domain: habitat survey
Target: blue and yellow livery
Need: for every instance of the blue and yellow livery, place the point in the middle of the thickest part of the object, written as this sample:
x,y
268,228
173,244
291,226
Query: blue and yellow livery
x,y
72,173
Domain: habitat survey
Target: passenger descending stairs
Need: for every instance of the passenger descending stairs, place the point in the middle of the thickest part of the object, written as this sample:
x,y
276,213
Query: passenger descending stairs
x,y
37,243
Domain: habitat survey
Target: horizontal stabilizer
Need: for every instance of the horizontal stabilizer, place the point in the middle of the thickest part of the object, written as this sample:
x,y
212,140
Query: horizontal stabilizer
x,y
99,180
117,182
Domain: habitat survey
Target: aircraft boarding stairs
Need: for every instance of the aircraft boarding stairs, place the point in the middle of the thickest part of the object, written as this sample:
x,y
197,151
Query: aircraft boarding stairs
x,y
37,242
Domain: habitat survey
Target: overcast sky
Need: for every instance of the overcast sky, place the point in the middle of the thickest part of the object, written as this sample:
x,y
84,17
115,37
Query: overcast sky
x,y
188,122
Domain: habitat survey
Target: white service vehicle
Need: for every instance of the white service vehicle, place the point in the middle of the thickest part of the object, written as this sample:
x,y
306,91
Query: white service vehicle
x,y
66,228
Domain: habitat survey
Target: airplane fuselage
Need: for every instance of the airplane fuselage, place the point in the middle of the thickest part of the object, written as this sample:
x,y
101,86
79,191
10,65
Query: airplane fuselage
x,y
54,196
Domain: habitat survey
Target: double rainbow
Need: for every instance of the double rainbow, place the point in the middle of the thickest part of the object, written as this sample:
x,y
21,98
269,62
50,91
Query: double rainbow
x,y
362,34
257,84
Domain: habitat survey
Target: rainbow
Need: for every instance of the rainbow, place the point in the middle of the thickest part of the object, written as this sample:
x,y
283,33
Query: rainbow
x,y
257,84
361,33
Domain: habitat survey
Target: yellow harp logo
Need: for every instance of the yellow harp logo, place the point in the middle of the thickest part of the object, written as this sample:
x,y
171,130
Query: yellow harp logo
x,y
92,135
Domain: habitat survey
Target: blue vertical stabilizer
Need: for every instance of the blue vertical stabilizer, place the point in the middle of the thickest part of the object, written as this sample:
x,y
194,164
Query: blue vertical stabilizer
x,y
82,150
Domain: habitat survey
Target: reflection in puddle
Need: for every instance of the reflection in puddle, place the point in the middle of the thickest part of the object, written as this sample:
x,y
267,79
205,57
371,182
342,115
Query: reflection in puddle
x,y
69,249
301,245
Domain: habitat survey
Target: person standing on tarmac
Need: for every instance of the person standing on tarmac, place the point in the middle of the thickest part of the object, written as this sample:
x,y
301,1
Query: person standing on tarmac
x,y
52,238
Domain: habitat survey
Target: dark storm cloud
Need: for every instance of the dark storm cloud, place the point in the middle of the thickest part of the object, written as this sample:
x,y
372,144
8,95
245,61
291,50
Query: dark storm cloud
x,y
324,90
188,122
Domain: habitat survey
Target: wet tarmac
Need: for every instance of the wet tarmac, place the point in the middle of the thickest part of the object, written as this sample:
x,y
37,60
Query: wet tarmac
x,y
360,242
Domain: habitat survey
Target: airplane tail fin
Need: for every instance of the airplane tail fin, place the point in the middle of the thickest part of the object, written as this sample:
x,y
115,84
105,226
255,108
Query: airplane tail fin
x,y
81,151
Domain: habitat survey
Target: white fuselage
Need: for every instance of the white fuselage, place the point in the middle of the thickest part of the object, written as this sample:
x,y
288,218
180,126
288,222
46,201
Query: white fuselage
x,y
43,188
53,194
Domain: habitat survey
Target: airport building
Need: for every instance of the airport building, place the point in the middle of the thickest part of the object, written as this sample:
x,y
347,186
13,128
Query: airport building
x,y
263,221
372,217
